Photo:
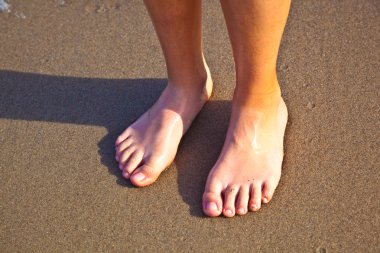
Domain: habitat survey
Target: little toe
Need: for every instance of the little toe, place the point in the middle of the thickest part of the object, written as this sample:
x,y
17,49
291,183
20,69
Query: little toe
x,y
242,200
268,190
132,163
229,200
255,199
212,204
122,137
145,175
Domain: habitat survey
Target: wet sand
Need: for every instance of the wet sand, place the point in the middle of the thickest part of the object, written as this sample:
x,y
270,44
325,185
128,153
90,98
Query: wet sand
x,y
74,74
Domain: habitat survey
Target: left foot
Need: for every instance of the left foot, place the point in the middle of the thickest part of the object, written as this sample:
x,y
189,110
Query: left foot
x,y
249,167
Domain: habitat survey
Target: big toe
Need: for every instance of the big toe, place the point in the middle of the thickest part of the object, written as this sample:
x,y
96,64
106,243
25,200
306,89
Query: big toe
x,y
212,204
145,175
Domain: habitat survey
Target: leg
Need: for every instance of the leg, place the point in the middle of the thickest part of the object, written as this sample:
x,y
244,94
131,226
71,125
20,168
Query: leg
x,y
249,167
149,145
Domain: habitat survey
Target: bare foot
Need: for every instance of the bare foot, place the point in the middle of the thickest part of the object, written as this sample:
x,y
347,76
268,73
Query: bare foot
x,y
149,145
249,167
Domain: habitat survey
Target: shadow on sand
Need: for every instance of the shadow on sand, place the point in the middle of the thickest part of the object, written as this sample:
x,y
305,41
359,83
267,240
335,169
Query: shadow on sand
x,y
114,104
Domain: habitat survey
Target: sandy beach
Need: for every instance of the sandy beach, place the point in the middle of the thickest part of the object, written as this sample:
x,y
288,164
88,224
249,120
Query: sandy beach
x,y
75,74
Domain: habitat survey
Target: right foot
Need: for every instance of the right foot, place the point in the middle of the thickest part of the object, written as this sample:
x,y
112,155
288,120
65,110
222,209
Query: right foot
x,y
149,145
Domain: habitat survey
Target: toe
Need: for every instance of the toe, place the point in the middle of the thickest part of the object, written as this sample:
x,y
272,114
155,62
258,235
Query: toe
x,y
123,145
145,175
229,200
212,204
242,200
124,156
212,199
268,190
122,137
132,163
255,198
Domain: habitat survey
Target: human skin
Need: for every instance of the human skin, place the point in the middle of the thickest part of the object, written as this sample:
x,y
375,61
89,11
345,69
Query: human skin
x,y
248,169
149,145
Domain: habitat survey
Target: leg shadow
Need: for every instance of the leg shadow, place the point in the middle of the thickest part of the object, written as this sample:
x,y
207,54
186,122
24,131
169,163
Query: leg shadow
x,y
111,103
114,104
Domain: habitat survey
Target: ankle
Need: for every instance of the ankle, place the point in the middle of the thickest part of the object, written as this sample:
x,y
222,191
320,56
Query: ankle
x,y
256,97
198,83
188,78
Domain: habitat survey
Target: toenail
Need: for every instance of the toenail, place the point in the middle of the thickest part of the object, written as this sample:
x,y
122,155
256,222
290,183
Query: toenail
x,y
241,210
229,212
139,176
265,200
126,174
211,206
120,166
255,207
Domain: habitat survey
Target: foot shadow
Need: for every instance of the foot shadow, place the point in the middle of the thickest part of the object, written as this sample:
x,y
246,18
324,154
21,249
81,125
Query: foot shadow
x,y
199,150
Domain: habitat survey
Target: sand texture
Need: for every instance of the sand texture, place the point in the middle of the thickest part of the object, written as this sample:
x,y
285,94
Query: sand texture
x,y
74,74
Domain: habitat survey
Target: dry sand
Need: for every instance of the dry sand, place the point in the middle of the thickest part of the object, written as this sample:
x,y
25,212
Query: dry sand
x,y
74,74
